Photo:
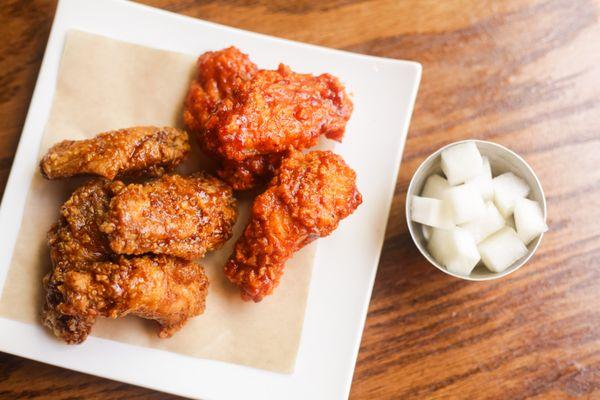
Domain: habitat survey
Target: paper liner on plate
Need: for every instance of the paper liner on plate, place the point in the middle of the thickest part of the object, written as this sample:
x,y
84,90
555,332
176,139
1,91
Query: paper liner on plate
x,y
105,84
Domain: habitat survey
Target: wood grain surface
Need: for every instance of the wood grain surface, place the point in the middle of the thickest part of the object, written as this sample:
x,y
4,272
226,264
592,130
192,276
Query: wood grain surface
x,y
522,73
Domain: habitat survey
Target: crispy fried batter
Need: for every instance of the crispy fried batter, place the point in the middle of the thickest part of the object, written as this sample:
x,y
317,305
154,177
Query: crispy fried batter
x,y
249,121
166,289
88,281
306,199
220,74
253,171
76,240
144,150
77,235
176,215
275,111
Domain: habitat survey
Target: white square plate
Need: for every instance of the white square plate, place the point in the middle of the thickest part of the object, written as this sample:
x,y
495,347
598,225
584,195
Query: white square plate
x,y
383,92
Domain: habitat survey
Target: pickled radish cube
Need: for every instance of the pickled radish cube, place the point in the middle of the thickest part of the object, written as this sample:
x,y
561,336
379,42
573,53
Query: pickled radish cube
x,y
529,220
508,188
432,212
483,181
487,223
437,245
426,231
461,163
455,249
435,186
501,250
465,202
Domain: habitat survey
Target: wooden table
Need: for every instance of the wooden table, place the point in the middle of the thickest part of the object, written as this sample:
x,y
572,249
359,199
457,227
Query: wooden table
x,y
521,73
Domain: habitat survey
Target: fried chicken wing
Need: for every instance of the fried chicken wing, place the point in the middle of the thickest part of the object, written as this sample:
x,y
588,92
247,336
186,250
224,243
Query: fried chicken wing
x,y
77,235
306,199
166,289
220,73
144,150
275,111
248,122
76,239
176,215
88,280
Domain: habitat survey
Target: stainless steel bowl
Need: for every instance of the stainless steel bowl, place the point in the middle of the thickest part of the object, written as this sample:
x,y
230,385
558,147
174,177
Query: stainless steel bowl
x,y
501,160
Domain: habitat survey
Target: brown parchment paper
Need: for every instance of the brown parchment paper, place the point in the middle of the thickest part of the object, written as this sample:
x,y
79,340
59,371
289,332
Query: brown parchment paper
x,y
105,84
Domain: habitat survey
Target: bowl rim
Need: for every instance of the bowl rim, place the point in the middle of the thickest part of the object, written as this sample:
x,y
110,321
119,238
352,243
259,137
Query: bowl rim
x,y
412,225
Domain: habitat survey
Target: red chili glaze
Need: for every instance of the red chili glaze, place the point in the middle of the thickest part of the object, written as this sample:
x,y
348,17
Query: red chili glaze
x,y
247,118
308,197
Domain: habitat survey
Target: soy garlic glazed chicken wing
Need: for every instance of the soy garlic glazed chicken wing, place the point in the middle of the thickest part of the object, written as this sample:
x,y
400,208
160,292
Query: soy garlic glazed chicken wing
x,y
247,118
183,216
166,289
76,240
88,281
306,199
143,150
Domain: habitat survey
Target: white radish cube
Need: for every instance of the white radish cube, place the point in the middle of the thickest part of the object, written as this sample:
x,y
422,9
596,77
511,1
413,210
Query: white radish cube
x,y
426,231
529,220
487,223
465,203
508,188
455,249
483,181
461,163
435,186
501,250
432,212
437,244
